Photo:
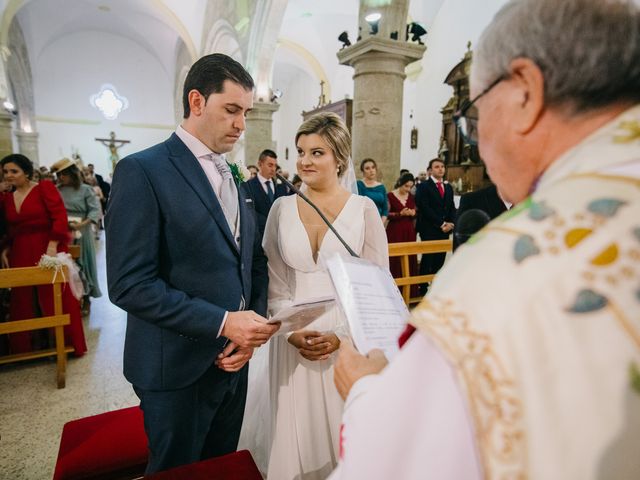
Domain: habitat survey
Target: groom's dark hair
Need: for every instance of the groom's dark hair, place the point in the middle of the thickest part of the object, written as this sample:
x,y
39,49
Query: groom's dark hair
x,y
208,74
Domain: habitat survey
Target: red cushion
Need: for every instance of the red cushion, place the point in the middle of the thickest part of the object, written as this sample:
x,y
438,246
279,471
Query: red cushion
x,y
112,443
234,466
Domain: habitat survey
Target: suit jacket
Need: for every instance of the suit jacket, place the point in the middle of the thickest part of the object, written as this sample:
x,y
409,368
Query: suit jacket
x,y
434,210
485,199
174,266
261,202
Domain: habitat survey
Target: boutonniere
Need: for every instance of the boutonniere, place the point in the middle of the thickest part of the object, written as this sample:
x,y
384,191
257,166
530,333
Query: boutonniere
x,y
239,172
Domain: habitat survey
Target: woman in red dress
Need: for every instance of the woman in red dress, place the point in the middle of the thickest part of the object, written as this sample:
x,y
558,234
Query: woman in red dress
x,y
37,223
401,227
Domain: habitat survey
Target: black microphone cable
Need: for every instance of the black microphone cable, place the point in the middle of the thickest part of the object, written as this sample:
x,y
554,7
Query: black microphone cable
x,y
324,219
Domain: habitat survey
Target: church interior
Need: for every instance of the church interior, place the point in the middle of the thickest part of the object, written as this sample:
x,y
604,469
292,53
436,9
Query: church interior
x,y
97,80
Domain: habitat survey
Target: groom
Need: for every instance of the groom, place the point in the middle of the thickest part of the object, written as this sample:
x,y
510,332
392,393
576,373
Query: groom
x,y
185,263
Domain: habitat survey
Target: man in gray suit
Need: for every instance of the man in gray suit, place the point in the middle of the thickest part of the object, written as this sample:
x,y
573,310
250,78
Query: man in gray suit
x,y
185,263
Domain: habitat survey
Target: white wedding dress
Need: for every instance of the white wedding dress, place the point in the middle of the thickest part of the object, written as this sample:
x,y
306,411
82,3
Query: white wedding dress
x,y
306,407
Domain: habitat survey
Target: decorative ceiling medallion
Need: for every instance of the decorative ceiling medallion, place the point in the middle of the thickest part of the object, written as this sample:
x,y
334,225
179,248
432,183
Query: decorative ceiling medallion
x,y
109,102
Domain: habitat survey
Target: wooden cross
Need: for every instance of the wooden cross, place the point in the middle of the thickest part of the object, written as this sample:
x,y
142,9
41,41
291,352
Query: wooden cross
x,y
113,144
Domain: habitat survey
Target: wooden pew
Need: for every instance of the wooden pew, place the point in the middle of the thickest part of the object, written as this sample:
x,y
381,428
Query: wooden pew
x,y
404,250
75,251
33,276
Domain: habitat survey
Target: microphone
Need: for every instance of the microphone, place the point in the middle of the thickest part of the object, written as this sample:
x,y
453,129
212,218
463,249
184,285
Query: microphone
x,y
469,223
324,219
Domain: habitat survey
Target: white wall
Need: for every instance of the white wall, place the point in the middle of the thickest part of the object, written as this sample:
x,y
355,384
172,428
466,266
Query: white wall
x,y
71,69
456,23
301,92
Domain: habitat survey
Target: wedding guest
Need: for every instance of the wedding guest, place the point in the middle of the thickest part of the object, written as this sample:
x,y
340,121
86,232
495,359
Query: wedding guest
x,y
306,405
401,226
263,189
254,171
37,225
370,187
83,211
297,182
436,215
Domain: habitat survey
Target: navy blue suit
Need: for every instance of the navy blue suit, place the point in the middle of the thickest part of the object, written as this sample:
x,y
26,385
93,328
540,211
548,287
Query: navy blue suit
x,y
433,211
261,202
174,267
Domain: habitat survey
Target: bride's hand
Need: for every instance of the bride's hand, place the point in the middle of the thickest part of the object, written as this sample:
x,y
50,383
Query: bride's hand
x,y
314,345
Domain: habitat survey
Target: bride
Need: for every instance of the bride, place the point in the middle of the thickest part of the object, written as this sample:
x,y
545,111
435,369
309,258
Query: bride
x,y
305,403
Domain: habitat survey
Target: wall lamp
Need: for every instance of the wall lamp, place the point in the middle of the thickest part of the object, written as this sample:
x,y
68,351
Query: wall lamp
x,y
417,31
344,38
373,19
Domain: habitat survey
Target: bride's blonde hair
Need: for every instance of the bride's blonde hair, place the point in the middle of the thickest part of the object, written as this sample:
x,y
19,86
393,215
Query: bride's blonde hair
x,y
333,130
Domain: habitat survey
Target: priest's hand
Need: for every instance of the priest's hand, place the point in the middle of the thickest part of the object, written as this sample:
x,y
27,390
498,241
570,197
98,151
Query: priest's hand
x,y
233,358
351,366
314,345
248,329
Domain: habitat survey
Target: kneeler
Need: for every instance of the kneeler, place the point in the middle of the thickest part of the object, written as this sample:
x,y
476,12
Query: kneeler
x,y
234,466
112,445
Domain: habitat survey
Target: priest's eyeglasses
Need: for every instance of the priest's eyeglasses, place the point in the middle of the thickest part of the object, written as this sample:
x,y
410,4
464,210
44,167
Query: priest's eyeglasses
x,y
467,119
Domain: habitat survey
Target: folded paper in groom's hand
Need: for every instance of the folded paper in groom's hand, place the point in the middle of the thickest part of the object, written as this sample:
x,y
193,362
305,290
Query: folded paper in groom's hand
x,y
299,315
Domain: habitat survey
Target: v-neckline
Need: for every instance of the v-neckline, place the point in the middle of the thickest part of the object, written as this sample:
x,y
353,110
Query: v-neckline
x,y
321,243
404,204
15,205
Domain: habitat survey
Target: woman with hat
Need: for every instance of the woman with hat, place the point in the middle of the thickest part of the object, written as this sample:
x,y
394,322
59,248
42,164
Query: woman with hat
x,y
37,224
83,209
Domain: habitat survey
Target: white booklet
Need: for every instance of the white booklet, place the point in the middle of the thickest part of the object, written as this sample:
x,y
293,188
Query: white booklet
x,y
371,301
299,315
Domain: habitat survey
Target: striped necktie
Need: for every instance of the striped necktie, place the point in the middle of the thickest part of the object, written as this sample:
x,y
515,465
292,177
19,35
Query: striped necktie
x,y
228,191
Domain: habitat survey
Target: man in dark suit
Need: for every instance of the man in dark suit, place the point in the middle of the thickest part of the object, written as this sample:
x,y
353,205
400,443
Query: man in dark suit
x,y
486,199
263,189
436,215
185,263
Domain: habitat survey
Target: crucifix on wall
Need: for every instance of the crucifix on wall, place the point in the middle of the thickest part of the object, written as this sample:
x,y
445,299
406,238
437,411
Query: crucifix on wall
x,y
113,144
322,101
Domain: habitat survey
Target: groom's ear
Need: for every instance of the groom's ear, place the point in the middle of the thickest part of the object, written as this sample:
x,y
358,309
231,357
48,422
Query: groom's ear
x,y
196,102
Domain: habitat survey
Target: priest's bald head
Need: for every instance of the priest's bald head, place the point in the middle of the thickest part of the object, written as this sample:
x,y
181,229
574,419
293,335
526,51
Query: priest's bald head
x,y
545,75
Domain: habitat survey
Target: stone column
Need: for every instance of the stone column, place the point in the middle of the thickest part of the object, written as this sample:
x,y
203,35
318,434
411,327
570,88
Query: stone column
x,y
28,145
379,65
6,146
258,135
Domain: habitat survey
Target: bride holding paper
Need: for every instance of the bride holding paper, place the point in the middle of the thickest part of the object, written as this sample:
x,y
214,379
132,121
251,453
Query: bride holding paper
x,y
306,405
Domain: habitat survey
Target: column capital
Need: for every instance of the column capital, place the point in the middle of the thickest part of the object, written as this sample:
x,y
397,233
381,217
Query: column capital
x,y
5,116
26,135
377,48
262,110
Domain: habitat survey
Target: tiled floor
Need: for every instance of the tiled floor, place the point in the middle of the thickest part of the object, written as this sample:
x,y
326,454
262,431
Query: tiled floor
x,y
33,410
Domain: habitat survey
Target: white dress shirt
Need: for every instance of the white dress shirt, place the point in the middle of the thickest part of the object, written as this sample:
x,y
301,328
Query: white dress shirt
x,y
203,155
263,182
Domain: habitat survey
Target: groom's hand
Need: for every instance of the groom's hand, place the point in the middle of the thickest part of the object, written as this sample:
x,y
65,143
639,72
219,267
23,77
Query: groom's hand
x,y
248,329
233,358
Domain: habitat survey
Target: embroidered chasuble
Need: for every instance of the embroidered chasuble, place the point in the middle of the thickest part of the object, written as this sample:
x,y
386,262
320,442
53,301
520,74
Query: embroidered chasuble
x,y
538,320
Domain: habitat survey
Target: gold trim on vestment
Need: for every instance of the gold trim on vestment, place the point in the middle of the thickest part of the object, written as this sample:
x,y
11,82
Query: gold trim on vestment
x,y
493,402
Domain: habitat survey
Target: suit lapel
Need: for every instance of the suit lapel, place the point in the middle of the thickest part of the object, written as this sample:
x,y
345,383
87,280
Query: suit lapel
x,y
257,186
187,165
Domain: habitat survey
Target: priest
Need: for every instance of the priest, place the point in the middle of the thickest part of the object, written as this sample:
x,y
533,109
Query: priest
x,y
525,362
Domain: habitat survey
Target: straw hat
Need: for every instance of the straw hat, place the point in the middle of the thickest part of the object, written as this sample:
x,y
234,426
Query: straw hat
x,y
62,164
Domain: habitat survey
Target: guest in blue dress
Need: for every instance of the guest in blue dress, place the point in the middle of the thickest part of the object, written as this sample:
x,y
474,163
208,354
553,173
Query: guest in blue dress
x,y
370,187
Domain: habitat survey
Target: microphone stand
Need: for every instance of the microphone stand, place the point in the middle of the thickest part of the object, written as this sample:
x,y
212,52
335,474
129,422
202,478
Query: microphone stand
x,y
324,219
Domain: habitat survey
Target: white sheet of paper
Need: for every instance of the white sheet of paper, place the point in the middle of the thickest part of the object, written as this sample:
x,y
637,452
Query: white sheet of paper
x,y
371,301
299,315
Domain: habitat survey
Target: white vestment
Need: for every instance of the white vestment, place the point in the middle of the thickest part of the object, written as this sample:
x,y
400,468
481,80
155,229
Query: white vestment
x,y
526,363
